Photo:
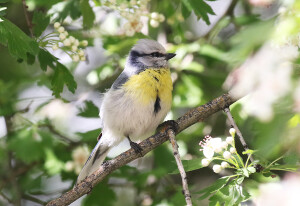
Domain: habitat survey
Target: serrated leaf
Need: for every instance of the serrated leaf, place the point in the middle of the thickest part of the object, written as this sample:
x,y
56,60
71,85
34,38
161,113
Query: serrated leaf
x,y
201,9
18,43
62,76
40,22
189,165
89,110
219,184
46,59
87,13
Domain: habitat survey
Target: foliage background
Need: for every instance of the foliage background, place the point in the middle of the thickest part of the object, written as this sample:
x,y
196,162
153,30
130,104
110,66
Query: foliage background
x,y
48,110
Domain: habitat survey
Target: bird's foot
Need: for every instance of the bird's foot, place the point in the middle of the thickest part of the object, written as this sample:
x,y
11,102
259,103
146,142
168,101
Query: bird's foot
x,y
136,147
169,124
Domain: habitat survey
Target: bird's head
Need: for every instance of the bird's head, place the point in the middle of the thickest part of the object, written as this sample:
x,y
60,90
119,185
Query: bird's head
x,y
149,54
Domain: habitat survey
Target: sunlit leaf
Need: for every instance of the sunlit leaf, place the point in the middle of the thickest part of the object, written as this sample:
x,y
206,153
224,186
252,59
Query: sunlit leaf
x,y
89,110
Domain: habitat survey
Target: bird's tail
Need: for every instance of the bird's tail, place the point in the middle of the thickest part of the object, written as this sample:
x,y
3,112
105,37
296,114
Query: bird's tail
x,y
95,160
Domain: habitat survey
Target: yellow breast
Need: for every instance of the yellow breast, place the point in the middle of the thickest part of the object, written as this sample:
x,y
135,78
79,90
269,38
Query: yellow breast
x,y
146,86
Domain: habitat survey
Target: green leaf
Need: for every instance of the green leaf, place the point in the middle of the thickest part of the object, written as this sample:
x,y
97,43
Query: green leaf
x,y
200,8
219,184
40,22
90,110
87,13
46,59
102,194
189,165
90,136
65,9
18,43
245,172
185,11
285,167
27,145
62,76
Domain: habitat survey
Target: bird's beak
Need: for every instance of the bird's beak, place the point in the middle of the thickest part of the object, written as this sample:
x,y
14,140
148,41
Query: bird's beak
x,y
170,56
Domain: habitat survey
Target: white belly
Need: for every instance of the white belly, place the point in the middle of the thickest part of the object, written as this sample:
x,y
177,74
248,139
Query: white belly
x,y
124,117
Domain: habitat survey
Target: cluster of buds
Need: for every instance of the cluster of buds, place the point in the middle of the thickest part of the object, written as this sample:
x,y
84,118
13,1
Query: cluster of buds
x,y
132,11
60,39
216,148
70,44
79,157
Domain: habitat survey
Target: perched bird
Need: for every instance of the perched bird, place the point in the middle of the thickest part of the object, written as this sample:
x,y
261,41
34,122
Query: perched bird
x,y
137,102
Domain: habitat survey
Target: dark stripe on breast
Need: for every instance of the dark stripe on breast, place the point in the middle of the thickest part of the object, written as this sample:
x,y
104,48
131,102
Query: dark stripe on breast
x,y
157,105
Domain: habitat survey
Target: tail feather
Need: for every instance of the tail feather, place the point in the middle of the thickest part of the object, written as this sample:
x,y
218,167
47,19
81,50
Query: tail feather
x,y
94,161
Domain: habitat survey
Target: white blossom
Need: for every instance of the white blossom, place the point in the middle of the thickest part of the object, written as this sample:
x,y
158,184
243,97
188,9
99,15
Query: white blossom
x,y
217,168
210,146
74,48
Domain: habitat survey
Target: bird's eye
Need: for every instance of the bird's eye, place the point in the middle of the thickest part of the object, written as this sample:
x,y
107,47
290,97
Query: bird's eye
x,y
156,54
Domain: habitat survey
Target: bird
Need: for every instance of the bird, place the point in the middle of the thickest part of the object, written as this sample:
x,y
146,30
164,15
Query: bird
x,y
137,102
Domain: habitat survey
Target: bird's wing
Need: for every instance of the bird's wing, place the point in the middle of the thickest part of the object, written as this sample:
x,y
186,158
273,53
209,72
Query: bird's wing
x,y
122,79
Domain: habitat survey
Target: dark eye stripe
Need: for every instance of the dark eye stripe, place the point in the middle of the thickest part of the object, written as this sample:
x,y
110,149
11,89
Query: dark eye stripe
x,y
153,54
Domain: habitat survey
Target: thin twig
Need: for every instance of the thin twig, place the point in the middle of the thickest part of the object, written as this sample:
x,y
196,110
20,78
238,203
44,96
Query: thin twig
x,y
27,17
185,187
192,117
238,132
34,199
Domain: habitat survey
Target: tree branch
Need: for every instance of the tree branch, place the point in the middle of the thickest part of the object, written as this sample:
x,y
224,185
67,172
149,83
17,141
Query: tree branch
x,y
238,132
193,116
27,17
185,187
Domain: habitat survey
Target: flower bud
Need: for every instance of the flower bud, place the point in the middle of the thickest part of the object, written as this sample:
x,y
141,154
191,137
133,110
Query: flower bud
x,y
55,47
56,25
67,42
75,58
227,155
62,36
82,58
61,29
74,48
224,164
224,144
205,162
80,52
232,150
217,168
161,18
154,15
232,132
154,23
229,140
